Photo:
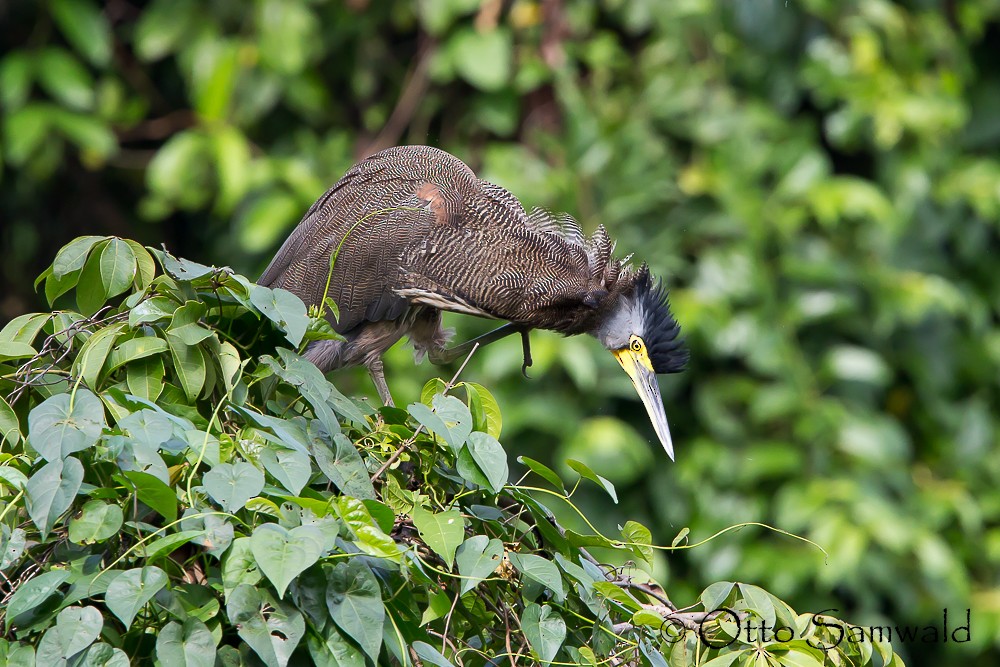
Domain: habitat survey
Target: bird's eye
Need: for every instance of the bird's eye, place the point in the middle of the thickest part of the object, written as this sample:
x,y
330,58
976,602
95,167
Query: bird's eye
x,y
636,345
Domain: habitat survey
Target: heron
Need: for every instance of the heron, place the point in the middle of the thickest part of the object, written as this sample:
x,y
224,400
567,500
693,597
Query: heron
x,y
411,231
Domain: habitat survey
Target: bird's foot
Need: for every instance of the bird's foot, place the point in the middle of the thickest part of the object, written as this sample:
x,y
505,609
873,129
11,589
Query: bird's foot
x,y
526,351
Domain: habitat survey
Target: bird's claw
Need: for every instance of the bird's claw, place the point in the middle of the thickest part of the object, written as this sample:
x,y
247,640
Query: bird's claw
x,y
526,351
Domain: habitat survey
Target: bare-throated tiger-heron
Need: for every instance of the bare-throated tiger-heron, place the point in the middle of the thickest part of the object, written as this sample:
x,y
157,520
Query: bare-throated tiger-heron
x,y
413,232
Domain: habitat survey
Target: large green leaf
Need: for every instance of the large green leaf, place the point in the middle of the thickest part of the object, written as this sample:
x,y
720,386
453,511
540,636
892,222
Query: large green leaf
x,y
541,570
369,536
97,522
10,427
85,27
273,636
355,604
477,558
33,593
284,309
442,531
283,554
544,629
93,354
232,485
153,492
76,628
131,590
189,365
188,645
490,457
289,466
66,423
51,490
341,464
118,267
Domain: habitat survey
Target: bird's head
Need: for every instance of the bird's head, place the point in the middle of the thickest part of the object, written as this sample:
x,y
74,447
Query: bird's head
x,y
641,332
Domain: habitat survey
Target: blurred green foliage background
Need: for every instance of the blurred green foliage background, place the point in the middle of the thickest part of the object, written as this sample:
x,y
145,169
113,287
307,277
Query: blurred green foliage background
x,y
817,181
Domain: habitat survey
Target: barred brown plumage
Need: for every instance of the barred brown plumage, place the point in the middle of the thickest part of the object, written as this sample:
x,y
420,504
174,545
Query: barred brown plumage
x,y
416,232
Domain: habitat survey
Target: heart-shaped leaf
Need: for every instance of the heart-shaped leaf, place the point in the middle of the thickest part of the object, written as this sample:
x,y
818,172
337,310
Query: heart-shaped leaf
x,y
544,629
355,604
232,485
283,554
66,423
442,531
131,590
188,645
478,558
76,628
51,490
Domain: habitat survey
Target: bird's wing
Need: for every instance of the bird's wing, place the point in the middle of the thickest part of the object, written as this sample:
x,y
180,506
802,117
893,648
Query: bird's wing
x,y
382,207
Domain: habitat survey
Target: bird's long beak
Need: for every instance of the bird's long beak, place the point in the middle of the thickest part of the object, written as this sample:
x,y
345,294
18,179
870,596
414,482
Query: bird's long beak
x,y
640,370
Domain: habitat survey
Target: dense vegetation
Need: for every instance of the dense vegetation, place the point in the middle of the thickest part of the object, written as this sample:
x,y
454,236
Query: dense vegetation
x,y
169,493
817,180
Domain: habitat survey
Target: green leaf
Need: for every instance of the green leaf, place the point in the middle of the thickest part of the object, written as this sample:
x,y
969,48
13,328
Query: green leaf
x,y
132,349
33,593
239,566
144,377
759,601
795,658
478,558
10,427
543,471
430,655
727,659
443,532
188,645
131,590
355,604
97,522
162,27
154,493
290,467
484,59
541,570
334,650
232,485
284,309
189,365
10,350
90,295
51,490
65,79
273,635
640,540
716,594
85,27
432,388
16,73
368,535
166,545
185,326
283,554
491,458
680,537
449,419
76,628
12,546
24,328
66,423
544,629
93,354
485,405
584,470
118,267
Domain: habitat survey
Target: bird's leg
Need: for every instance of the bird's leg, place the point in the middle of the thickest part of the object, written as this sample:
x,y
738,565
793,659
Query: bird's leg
x,y
440,357
526,351
378,377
